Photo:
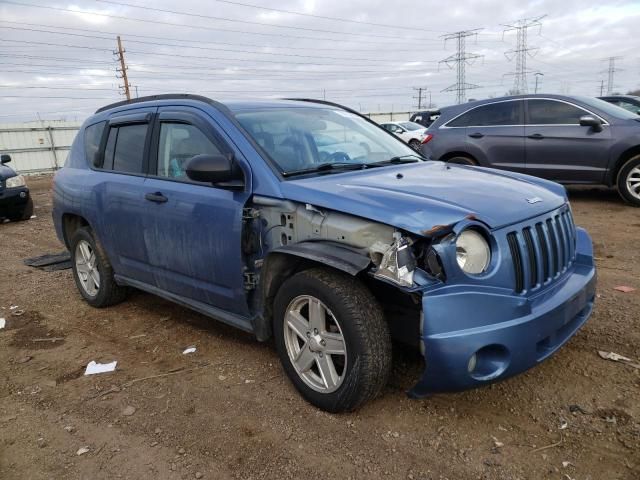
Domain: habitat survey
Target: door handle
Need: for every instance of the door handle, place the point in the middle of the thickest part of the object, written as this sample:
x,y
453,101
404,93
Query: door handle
x,y
536,136
157,197
476,135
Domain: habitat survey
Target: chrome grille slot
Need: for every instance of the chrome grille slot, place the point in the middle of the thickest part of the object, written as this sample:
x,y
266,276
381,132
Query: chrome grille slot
x,y
543,250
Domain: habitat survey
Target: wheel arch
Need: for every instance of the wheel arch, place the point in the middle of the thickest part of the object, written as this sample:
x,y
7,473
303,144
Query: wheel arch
x,y
70,223
286,261
623,158
457,153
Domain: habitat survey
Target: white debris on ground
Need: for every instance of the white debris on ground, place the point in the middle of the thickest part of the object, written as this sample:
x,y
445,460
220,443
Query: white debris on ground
x,y
3,323
189,350
93,367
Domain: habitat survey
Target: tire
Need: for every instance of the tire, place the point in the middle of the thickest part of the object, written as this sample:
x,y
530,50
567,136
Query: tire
x,y
462,160
353,314
105,292
629,181
26,213
415,144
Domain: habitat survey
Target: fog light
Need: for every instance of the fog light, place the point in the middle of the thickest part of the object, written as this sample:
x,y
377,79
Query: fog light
x,y
23,194
471,366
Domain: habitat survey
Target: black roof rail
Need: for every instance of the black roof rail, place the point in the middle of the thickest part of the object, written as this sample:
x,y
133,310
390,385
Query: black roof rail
x,y
165,96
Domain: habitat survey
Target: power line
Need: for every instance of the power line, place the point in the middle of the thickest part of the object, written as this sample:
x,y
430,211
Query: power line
x,y
522,51
249,22
199,47
198,27
337,19
420,97
460,59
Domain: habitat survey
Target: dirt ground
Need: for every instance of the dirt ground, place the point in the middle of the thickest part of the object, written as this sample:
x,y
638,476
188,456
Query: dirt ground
x,y
227,411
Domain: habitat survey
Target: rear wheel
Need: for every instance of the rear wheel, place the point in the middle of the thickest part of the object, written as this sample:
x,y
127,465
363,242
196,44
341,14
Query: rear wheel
x,y
92,271
332,339
415,144
462,160
629,181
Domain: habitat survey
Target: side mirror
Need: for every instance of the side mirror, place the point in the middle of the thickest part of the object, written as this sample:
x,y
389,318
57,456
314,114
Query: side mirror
x,y
4,158
591,121
219,170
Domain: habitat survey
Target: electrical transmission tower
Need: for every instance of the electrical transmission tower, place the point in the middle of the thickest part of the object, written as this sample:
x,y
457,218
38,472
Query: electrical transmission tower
x,y
123,70
611,73
460,59
522,51
421,91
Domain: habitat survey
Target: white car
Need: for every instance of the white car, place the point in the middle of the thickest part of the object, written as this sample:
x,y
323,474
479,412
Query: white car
x,y
411,132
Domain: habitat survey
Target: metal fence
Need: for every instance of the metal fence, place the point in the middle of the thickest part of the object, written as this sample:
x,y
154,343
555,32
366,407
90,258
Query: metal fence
x,y
37,146
43,146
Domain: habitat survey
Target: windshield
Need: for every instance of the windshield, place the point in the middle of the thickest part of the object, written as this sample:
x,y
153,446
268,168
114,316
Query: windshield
x,y
608,108
411,126
307,138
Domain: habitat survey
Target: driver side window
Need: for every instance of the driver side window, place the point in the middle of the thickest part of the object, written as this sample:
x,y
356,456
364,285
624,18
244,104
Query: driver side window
x,y
179,142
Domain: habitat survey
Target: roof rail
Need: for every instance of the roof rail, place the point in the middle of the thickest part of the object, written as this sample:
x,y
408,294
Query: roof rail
x,y
165,96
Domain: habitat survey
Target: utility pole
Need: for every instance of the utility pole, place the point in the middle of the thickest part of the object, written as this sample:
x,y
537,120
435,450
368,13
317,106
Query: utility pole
x,y
601,87
460,59
538,75
123,69
419,97
611,73
522,50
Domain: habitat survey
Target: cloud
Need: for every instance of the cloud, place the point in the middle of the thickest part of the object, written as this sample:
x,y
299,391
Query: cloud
x,y
275,53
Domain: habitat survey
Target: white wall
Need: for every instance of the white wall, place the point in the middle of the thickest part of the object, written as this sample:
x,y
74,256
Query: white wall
x,y
37,146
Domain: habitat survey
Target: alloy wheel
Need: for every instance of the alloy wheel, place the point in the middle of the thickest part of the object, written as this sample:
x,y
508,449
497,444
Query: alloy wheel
x,y
315,344
86,268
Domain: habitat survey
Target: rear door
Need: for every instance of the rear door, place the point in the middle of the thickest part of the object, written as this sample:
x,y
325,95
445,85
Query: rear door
x,y
558,148
120,194
193,230
494,134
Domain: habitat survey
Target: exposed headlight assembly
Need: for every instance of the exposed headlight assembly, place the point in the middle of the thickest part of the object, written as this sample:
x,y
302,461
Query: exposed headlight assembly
x,y
13,182
398,263
472,252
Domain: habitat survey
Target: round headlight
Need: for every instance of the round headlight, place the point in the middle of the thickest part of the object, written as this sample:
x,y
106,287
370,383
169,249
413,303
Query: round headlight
x,y
472,252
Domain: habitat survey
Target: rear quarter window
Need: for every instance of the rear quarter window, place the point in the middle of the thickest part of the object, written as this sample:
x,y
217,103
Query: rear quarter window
x,y
92,139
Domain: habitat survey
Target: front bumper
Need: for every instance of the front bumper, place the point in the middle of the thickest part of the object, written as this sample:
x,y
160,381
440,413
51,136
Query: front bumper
x,y
478,335
13,201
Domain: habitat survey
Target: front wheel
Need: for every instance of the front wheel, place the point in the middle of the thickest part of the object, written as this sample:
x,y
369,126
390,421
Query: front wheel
x,y
629,181
25,214
332,339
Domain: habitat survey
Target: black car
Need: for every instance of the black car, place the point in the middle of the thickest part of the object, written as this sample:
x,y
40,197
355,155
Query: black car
x,y
567,139
425,117
15,202
628,102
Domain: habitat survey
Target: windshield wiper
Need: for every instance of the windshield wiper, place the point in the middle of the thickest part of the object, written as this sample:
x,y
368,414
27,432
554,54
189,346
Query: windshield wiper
x,y
400,159
327,167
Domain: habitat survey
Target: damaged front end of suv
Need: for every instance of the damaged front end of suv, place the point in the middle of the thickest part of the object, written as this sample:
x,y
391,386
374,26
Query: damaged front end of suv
x,y
480,302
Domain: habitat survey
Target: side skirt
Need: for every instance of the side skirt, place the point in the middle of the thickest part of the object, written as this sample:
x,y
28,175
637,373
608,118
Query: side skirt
x,y
238,321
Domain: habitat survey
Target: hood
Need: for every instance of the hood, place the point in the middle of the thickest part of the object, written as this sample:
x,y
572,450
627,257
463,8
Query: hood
x,y
419,197
6,172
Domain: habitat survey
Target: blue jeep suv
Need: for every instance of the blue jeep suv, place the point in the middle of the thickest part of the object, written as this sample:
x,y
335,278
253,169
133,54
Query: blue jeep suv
x,y
305,222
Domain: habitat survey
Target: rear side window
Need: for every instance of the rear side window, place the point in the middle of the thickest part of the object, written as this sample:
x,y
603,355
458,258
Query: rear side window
x,y
494,114
551,112
124,151
92,138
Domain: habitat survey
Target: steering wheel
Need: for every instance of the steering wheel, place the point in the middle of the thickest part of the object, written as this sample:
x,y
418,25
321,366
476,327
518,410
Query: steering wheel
x,y
339,157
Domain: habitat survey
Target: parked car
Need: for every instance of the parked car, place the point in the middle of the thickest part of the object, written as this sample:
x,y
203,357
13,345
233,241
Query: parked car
x,y
628,102
306,222
571,140
15,202
411,132
425,117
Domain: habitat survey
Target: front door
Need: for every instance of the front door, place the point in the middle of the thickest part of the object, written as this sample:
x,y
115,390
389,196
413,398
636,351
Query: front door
x,y
193,230
559,149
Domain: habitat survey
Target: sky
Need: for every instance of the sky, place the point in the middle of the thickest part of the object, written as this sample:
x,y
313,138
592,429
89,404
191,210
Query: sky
x,y
57,57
